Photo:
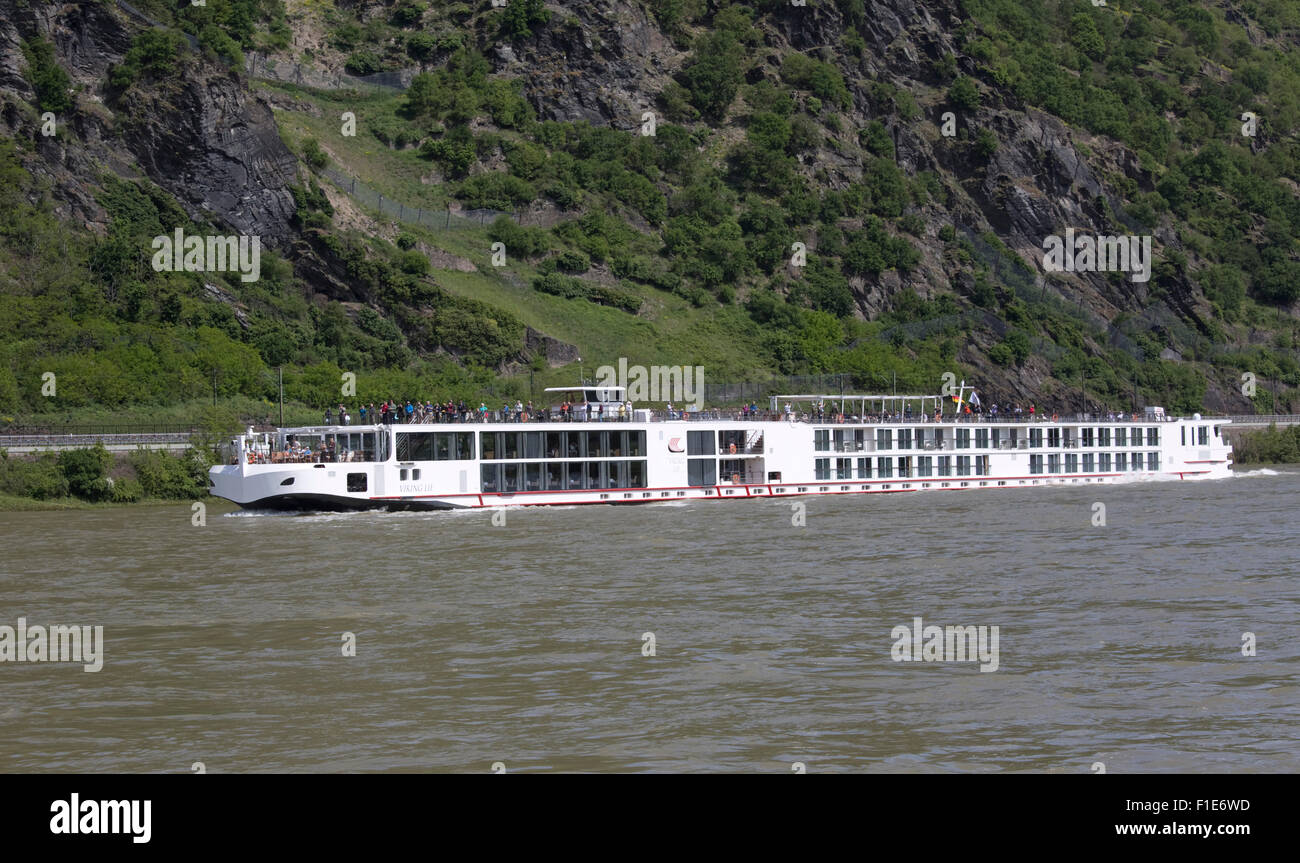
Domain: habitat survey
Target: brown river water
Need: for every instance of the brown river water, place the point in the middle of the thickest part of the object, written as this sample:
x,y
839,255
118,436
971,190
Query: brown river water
x,y
522,643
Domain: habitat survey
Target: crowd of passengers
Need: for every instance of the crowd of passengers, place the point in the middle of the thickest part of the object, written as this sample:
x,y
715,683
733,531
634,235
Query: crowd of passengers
x,y
394,411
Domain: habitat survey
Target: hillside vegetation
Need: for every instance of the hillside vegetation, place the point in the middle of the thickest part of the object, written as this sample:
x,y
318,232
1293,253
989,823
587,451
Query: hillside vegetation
x,y
798,208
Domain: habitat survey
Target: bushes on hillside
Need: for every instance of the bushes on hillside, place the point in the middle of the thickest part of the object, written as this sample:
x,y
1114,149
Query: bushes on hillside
x,y
568,287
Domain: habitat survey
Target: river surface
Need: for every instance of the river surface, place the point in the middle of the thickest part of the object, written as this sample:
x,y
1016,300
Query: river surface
x,y
521,644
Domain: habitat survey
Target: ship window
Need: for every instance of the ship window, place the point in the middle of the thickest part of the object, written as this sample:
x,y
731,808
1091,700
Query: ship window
x,y
415,446
699,443
1103,462
864,468
701,471
487,442
356,482
844,468
636,474
1035,438
1202,436
1183,429
821,440
636,443
415,473
573,444
1121,436
553,444
1153,461
442,447
1054,463
904,438
404,474
508,444
963,438
1121,461
533,444
617,444
1137,437
532,477
1088,463
595,474
822,468
575,474
490,475
981,438
884,438
1103,436
288,481
884,467
554,475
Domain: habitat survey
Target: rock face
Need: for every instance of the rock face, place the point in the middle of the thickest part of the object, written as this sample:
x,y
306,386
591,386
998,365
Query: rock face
x,y
216,148
203,137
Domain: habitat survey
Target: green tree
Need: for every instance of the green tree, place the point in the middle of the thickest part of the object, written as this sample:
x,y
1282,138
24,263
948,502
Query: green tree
x,y
713,73
46,76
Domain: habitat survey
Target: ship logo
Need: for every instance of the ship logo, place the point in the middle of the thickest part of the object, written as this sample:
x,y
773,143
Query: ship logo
x,y
675,445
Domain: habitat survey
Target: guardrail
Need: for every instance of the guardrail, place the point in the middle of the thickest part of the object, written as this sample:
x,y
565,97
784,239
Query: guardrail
x,y
1261,419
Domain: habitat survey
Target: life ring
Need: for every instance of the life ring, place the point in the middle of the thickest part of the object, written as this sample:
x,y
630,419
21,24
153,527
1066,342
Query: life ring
x,y
250,458
733,449
1055,418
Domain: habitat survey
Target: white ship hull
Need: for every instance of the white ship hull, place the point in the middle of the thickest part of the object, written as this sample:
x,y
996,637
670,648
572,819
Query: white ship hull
x,y
484,465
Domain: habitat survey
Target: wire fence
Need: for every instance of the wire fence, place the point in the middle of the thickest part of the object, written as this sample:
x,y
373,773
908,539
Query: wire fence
x,y
439,219
305,75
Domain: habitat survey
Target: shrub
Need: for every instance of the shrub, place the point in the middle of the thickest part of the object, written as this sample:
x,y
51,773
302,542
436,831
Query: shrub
x,y
519,240
86,471
573,262
496,191
713,73
47,77
964,94
171,477
822,79
152,53
38,478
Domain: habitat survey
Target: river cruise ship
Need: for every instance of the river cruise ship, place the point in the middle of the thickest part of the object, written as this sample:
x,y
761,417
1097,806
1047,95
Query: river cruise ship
x,y
801,445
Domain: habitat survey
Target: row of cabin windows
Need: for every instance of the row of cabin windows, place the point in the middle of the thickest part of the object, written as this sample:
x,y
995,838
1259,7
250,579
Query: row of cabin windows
x,y
924,466
841,440
907,466
562,444
1103,463
556,476
435,446
1201,435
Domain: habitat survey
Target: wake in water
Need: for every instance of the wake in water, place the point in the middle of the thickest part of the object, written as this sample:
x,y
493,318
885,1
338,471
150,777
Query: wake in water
x,y
1264,471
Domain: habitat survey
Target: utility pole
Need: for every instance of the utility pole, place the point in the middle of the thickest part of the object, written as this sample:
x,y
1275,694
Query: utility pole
x,y
280,369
